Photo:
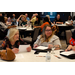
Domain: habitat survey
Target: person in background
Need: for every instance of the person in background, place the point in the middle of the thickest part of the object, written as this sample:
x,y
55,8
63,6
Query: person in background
x,y
13,41
28,19
38,21
23,20
6,21
13,19
49,19
9,22
58,20
45,21
33,19
4,28
69,21
0,14
47,38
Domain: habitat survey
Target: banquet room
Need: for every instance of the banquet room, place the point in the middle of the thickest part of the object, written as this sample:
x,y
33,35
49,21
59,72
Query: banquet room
x,y
37,36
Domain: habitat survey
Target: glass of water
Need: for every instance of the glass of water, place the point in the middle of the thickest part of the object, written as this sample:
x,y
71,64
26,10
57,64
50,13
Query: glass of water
x,y
52,49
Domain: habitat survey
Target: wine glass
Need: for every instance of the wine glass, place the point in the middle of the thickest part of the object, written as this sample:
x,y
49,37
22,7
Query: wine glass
x,y
52,49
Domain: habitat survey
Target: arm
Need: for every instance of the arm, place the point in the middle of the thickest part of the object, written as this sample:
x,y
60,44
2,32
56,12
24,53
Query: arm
x,y
57,44
11,26
36,43
19,18
73,48
37,26
59,22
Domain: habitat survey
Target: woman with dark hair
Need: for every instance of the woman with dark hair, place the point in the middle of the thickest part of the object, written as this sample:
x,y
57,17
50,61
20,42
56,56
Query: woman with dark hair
x,y
46,21
38,21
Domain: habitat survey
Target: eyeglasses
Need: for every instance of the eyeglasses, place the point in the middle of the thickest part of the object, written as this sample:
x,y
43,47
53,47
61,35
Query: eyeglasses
x,y
48,30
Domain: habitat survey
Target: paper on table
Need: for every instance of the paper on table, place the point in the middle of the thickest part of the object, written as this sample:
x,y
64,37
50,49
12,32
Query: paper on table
x,y
23,48
41,47
68,53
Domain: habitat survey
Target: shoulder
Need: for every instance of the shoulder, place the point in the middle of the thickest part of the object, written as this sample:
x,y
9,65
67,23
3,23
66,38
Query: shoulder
x,y
55,37
46,23
39,36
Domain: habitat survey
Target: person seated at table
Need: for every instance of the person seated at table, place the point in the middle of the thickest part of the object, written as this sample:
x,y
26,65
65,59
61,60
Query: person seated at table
x,y
47,38
13,19
38,21
28,19
58,20
9,22
23,20
70,47
49,19
71,42
13,41
69,21
6,21
45,22
4,28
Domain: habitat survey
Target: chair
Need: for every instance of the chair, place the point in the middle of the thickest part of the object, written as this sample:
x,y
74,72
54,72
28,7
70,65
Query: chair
x,y
68,36
30,40
1,42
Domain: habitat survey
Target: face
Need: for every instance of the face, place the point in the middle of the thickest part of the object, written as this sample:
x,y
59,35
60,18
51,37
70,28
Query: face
x,y
26,15
58,17
48,31
23,18
16,36
13,15
69,18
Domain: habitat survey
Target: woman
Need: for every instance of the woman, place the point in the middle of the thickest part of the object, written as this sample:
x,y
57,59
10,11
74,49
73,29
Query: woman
x,y
47,38
13,41
58,20
72,42
23,20
3,27
46,21
38,21
69,22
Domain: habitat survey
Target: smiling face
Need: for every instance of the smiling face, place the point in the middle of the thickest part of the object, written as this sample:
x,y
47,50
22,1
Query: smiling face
x,y
16,36
48,31
23,18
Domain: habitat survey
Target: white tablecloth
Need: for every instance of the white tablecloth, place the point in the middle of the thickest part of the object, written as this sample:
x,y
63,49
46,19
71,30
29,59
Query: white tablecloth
x,y
31,57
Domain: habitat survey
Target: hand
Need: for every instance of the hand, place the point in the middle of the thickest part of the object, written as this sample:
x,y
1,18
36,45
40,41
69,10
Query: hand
x,y
35,45
29,49
15,50
69,48
50,46
73,48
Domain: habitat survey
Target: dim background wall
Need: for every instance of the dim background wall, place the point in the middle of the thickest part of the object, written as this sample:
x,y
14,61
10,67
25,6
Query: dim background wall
x,y
19,13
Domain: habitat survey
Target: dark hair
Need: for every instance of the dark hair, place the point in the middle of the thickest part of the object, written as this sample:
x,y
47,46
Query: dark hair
x,y
1,19
47,20
73,34
39,18
70,17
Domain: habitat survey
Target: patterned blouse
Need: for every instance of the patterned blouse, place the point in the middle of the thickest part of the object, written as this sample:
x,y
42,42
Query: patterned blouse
x,y
6,43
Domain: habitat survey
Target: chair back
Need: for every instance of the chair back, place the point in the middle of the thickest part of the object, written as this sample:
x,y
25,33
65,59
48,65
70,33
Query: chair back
x,y
68,36
36,33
